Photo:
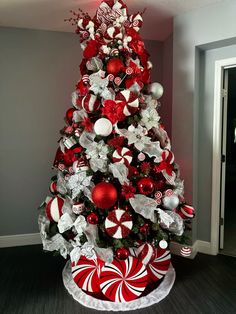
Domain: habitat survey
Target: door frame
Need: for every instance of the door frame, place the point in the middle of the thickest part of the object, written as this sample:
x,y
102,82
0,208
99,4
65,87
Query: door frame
x,y
220,66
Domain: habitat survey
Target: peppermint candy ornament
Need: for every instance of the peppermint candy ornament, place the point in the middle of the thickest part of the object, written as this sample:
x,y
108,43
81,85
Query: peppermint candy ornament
x,y
118,224
123,280
146,253
54,208
90,103
136,21
122,156
131,102
159,267
86,273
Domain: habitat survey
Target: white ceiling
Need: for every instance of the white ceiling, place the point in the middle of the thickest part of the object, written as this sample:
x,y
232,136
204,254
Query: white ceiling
x,y
50,14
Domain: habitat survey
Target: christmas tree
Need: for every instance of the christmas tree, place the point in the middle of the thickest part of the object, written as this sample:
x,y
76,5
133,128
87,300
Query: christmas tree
x,y
117,196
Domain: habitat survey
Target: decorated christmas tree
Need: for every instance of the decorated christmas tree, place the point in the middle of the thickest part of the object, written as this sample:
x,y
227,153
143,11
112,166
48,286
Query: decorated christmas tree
x,y
117,197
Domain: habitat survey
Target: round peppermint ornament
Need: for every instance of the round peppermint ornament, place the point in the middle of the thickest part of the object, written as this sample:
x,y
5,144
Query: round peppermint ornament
x,y
86,273
54,208
123,280
90,103
122,155
131,101
103,127
160,265
118,224
146,253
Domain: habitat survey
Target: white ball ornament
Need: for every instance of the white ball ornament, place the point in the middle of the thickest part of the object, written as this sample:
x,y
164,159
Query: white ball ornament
x,y
156,90
103,127
170,202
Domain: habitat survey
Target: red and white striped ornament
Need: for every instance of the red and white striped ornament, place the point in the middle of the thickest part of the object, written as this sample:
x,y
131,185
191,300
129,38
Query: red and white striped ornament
x,y
90,103
86,273
114,52
53,187
118,224
54,208
122,155
85,78
78,208
159,267
169,192
186,251
131,101
146,253
123,280
186,211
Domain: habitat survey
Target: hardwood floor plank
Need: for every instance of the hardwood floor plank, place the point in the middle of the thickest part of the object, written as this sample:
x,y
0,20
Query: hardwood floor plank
x,y
31,283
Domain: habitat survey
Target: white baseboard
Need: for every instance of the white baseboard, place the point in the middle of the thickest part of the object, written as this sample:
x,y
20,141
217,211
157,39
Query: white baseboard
x,y
20,240
34,238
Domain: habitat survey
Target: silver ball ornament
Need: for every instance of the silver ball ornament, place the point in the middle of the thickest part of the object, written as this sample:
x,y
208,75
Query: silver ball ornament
x,y
156,90
170,202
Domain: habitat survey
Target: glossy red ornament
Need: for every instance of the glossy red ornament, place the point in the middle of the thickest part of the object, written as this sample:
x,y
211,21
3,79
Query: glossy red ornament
x,y
114,66
122,253
69,114
104,195
146,186
144,228
92,218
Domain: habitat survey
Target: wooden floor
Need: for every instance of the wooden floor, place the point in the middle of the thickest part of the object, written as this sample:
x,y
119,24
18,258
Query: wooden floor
x,y
31,283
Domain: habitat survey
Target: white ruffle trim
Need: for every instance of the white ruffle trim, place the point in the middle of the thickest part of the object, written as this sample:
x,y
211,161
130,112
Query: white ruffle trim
x,y
152,298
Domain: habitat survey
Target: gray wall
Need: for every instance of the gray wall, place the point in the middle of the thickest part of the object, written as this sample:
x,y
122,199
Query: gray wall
x,y
205,133
38,72
214,26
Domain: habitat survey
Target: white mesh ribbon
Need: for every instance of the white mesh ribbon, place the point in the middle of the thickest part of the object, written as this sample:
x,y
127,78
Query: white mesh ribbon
x,y
144,206
89,301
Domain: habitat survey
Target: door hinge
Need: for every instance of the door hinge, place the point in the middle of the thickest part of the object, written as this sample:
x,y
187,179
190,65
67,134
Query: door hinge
x,y
224,93
221,221
223,158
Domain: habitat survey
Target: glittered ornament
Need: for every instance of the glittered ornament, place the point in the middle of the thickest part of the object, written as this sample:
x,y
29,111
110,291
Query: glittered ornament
x,y
122,253
104,195
69,114
93,218
114,66
146,186
103,127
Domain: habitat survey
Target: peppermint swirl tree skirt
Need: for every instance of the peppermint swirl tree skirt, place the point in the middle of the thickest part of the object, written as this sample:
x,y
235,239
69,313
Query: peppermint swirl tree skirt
x,y
89,301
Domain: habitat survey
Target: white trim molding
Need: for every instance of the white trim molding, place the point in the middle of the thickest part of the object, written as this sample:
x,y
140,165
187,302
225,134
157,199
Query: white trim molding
x,y
20,240
220,65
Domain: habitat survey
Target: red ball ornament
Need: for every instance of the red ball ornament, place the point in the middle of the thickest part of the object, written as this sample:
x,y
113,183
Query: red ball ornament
x,y
104,195
114,66
122,253
144,228
69,114
92,218
146,186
